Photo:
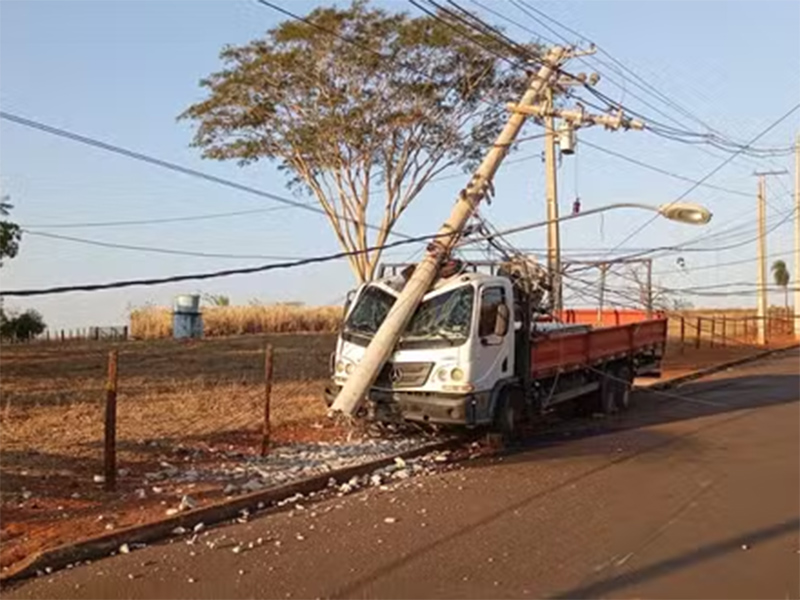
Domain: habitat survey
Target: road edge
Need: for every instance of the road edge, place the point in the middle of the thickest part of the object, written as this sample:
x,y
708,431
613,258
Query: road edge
x,y
102,545
700,373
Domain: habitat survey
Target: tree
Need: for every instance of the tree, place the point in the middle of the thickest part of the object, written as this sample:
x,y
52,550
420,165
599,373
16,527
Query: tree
x,y
21,327
10,233
780,274
404,101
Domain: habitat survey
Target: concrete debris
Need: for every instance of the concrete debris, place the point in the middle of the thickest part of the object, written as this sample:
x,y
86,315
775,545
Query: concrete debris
x,y
140,493
157,490
171,511
124,549
390,520
229,489
99,478
236,549
199,527
27,494
187,503
745,547
123,472
178,531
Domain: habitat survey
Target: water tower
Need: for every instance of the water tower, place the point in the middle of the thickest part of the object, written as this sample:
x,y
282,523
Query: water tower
x,y
187,320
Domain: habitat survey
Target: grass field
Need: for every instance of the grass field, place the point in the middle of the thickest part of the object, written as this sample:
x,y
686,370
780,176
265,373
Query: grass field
x,y
154,322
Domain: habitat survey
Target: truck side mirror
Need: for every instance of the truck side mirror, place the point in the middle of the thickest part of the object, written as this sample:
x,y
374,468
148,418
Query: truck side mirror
x,y
502,317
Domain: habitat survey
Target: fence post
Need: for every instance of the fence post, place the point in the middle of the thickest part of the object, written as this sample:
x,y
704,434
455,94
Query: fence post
x,y
683,332
713,330
125,332
724,331
699,331
110,457
265,436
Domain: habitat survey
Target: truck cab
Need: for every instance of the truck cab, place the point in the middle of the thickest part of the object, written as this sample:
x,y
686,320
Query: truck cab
x,y
457,350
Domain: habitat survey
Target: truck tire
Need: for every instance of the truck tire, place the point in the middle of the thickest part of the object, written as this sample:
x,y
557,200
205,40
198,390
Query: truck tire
x,y
607,394
509,416
623,386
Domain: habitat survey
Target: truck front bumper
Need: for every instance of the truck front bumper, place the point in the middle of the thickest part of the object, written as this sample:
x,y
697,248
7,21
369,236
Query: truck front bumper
x,y
423,407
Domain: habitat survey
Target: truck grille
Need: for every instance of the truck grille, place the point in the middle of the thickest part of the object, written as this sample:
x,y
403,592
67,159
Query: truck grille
x,y
405,374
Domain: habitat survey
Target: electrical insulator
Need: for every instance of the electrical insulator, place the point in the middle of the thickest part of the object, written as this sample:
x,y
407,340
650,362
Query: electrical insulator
x,y
576,206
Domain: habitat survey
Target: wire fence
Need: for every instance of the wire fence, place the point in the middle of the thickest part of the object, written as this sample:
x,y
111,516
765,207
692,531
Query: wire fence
x,y
198,396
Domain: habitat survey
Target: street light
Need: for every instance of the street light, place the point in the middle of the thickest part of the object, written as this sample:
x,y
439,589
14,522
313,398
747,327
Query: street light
x,y
682,212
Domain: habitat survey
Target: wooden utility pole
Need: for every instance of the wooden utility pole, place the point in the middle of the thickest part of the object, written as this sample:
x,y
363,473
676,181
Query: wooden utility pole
x,y
383,342
267,430
110,445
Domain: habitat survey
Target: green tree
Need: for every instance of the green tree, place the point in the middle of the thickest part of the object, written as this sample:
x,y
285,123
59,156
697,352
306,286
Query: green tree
x,y
21,327
346,122
10,233
780,273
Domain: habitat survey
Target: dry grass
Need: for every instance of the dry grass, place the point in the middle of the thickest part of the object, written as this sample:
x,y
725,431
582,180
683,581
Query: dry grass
x,y
178,393
156,322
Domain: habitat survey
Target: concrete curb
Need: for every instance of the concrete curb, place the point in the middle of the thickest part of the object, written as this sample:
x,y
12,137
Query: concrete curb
x,y
102,545
681,379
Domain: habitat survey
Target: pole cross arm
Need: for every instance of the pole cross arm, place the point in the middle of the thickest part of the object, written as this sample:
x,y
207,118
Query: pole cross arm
x,y
578,116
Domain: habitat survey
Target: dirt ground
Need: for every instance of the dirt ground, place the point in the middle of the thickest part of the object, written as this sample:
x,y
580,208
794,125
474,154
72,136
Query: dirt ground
x,y
204,398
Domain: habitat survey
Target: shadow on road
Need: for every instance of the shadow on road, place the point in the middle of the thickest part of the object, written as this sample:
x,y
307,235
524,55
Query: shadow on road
x,y
607,587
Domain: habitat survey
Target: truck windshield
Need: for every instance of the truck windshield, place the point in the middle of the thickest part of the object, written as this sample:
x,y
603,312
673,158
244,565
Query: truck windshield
x,y
442,320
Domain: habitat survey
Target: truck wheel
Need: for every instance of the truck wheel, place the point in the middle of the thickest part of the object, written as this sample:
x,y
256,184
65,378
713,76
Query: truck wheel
x,y
623,385
608,394
509,416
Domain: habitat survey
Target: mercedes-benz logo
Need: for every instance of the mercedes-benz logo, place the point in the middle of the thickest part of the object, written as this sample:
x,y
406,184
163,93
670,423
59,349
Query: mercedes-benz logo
x,y
396,374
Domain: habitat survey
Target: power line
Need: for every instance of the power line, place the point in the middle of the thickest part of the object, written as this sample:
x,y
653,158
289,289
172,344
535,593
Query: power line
x,y
152,221
26,122
151,281
655,169
152,249
712,172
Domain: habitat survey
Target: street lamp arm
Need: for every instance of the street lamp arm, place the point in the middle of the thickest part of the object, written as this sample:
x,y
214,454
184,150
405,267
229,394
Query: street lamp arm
x,y
683,212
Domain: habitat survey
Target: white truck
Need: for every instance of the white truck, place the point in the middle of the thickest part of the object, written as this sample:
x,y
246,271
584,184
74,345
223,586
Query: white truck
x,y
477,353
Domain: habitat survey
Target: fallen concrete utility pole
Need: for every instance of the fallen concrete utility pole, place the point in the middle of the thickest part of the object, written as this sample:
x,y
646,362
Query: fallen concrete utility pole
x,y
380,348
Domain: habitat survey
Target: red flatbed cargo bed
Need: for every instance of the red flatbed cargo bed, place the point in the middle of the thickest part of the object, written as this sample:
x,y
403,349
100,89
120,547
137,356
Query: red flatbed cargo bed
x,y
561,352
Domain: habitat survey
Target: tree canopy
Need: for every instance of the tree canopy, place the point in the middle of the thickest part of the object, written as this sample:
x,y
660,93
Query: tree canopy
x,y
10,233
354,104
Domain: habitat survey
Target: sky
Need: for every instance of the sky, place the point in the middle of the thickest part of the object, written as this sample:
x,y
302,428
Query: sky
x,y
121,71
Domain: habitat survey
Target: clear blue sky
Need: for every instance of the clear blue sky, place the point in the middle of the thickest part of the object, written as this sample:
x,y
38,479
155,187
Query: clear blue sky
x,y
122,71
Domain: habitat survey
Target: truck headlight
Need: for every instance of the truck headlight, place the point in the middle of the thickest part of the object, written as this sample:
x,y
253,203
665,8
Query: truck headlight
x,y
442,374
349,368
457,374
339,366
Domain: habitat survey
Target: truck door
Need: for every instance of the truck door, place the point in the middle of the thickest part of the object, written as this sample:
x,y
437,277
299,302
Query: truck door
x,y
494,342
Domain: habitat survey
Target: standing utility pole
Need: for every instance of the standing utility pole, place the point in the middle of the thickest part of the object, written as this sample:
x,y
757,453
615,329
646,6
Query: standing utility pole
x,y
602,292
763,305
382,345
761,313
797,238
553,234
573,119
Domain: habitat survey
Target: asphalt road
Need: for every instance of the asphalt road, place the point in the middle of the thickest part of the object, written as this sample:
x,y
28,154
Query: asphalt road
x,y
696,496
